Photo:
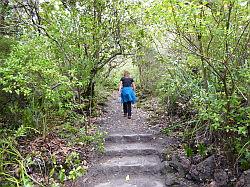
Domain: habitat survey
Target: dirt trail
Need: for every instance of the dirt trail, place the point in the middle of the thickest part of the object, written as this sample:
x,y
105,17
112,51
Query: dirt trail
x,y
133,151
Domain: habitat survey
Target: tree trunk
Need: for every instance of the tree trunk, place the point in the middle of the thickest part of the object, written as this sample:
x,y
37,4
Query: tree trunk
x,y
4,4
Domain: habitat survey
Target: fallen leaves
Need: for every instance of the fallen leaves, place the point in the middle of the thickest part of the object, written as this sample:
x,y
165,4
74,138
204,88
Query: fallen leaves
x,y
50,153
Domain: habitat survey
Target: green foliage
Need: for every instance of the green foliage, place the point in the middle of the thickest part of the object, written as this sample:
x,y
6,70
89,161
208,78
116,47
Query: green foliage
x,y
13,166
188,151
70,170
5,47
245,160
78,135
76,172
243,152
166,131
51,76
36,88
171,128
202,149
205,73
60,63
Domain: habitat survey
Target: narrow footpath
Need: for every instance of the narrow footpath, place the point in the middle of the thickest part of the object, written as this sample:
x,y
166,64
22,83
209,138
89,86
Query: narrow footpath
x,y
132,156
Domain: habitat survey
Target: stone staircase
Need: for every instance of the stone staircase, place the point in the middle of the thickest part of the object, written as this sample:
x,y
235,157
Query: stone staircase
x,y
130,160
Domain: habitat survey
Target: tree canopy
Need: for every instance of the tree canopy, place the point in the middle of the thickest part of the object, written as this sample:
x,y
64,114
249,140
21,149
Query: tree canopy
x,y
57,59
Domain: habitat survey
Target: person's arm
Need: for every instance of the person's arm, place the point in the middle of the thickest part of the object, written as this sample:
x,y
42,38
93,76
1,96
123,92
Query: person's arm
x,y
120,87
133,85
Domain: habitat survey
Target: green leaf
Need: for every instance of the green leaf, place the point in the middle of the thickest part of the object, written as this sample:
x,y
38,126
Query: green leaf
x,y
52,171
243,3
62,176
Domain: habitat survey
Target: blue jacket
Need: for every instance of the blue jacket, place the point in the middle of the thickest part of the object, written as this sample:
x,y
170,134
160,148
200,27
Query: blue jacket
x,y
128,94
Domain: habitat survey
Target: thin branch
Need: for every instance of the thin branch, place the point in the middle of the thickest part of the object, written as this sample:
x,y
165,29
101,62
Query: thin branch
x,y
241,35
207,59
103,62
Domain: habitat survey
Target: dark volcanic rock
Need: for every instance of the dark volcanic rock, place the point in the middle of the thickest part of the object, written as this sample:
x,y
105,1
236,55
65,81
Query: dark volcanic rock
x,y
213,184
171,180
204,170
221,177
180,164
168,168
197,159
244,180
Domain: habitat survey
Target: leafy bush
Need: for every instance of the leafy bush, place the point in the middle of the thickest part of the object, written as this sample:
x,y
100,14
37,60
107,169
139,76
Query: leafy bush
x,y
35,83
206,77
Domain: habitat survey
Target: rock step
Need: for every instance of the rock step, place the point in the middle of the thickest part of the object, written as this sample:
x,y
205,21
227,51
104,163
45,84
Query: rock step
x,y
133,182
130,149
129,138
130,164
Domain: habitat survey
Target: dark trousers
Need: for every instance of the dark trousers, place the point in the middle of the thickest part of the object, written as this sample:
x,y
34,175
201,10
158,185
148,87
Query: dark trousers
x,y
127,108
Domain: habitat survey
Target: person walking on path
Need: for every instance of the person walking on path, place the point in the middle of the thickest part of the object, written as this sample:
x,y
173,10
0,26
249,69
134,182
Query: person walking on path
x,y
127,93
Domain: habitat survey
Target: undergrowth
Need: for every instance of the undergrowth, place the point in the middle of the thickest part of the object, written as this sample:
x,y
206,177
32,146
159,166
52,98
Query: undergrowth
x,y
27,158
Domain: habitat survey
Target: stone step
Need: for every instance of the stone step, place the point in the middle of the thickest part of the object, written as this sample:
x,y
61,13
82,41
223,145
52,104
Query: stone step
x,y
132,182
130,149
129,138
129,164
